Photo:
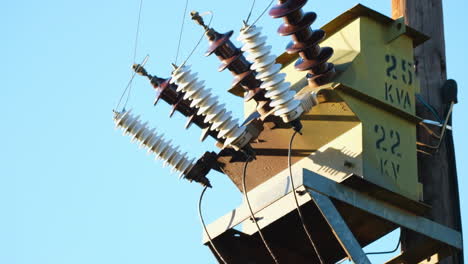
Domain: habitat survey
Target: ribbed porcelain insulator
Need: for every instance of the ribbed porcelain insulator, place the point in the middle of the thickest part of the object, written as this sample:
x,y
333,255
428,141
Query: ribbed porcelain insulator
x,y
278,91
154,142
313,58
209,106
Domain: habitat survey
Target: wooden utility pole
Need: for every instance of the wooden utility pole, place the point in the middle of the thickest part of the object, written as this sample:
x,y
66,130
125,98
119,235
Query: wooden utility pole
x,y
436,172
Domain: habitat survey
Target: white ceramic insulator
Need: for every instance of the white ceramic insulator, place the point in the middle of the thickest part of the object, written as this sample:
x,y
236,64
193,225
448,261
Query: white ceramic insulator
x,y
268,71
209,106
154,142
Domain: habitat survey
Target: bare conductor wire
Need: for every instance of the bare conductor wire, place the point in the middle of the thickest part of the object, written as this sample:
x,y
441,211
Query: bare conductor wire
x,y
299,212
260,16
250,12
199,41
142,64
135,46
246,197
180,33
137,32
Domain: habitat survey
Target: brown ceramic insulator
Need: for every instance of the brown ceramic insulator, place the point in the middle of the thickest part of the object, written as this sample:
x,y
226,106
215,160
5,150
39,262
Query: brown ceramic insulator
x,y
233,59
313,59
168,93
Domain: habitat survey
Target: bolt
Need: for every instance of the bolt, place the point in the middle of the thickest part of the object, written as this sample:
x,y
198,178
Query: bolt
x,y
348,164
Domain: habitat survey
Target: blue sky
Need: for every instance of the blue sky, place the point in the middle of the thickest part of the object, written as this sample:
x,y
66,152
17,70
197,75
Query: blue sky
x,y
72,189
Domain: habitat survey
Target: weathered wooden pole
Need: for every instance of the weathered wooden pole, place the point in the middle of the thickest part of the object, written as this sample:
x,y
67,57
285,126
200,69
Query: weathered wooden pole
x,y
437,172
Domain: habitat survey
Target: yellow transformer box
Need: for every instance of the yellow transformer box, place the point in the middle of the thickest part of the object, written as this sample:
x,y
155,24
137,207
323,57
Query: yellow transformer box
x,y
365,125
354,166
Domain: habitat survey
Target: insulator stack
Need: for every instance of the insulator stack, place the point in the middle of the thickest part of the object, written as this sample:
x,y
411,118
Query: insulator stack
x,y
215,113
156,144
313,59
278,91
168,93
232,59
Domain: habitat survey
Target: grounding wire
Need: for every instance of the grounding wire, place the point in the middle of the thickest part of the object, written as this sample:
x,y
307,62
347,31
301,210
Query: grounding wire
x,y
204,226
299,212
246,197
180,33
199,41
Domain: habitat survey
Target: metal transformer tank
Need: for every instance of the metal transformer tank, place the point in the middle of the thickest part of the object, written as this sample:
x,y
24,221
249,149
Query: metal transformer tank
x,y
366,125
355,165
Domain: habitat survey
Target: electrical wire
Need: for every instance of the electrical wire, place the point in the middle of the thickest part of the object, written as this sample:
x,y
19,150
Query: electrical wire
x,y
377,253
135,46
387,252
250,12
246,197
442,133
342,261
444,127
423,152
201,38
180,33
418,143
204,226
260,16
142,64
452,169
137,32
430,131
309,236
429,107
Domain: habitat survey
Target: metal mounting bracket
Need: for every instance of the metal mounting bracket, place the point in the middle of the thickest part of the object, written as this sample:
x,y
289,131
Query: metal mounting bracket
x,y
340,229
341,218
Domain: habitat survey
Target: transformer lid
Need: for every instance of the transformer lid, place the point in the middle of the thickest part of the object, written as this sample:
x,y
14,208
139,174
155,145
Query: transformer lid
x,y
347,17
361,10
